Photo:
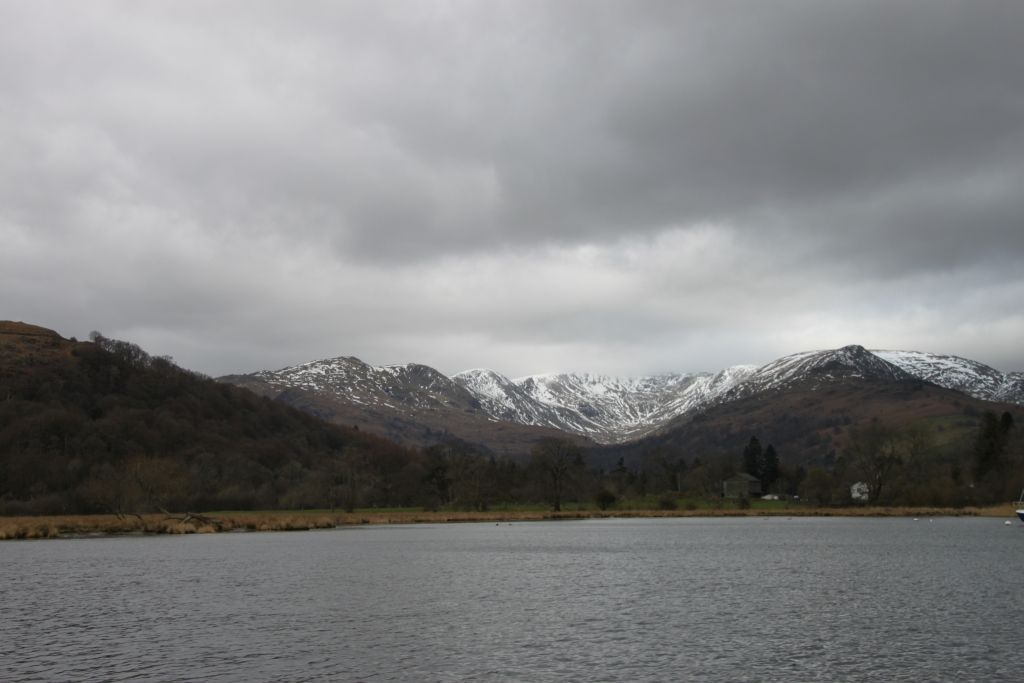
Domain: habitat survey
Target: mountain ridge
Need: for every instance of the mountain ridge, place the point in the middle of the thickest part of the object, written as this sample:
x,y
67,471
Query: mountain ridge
x,y
411,403
611,409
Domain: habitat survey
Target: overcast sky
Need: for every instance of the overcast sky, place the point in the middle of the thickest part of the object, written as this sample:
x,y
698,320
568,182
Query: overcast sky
x,y
616,187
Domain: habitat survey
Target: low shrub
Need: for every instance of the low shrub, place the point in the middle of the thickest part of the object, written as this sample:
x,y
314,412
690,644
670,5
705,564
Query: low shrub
x,y
667,503
604,499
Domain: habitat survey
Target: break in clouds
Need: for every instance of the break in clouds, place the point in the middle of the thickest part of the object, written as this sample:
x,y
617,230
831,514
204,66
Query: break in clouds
x,y
620,187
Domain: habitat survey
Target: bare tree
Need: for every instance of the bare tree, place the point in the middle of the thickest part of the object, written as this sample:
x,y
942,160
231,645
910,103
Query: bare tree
x,y
556,462
356,476
876,452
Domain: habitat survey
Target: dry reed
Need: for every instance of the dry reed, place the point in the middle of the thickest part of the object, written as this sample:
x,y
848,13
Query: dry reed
x,y
90,525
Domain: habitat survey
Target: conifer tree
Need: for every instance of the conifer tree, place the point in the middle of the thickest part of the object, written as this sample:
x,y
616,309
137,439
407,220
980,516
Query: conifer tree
x,y
753,458
769,467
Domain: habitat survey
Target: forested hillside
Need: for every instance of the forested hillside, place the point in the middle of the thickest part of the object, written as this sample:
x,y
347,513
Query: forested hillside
x,y
103,426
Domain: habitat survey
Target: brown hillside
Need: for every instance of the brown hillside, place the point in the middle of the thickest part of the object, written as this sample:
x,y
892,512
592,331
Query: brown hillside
x,y
10,327
24,347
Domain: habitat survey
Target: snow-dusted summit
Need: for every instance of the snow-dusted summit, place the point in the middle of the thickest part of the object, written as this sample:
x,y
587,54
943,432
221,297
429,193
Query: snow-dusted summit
x,y
819,367
409,386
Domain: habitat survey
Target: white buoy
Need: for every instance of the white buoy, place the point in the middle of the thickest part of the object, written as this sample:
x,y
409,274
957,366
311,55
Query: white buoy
x,y
1008,523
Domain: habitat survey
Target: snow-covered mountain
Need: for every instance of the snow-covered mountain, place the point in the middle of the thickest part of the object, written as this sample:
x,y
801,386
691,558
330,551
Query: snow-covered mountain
x,y
817,368
411,386
411,404
965,375
505,399
607,409
1012,390
614,410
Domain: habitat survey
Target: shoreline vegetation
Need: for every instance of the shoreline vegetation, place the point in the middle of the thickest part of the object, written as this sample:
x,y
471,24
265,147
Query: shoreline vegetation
x,y
78,526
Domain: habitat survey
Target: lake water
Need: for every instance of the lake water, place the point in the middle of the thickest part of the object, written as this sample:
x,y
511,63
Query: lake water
x,y
749,599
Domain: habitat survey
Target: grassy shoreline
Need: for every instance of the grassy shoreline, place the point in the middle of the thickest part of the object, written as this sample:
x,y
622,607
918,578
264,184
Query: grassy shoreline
x,y
72,526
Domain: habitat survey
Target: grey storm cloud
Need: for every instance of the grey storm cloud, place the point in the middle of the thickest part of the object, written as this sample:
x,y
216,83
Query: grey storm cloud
x,y
628,184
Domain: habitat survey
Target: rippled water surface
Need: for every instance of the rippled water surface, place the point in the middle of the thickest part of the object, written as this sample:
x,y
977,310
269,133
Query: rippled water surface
x,y
613,600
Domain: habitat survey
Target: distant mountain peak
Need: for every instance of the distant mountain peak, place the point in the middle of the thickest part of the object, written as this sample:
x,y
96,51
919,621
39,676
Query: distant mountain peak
x,y
859,362
855,349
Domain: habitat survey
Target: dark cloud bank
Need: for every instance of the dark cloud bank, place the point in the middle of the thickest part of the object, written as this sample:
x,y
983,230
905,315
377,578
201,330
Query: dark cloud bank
x,y
620,187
